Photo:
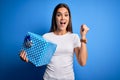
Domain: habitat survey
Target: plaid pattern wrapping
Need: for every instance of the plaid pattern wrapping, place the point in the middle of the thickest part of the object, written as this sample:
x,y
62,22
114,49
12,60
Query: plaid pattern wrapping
x,y
41,50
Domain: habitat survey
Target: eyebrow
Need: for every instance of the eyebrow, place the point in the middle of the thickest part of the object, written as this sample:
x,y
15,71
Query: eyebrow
x,y
64,12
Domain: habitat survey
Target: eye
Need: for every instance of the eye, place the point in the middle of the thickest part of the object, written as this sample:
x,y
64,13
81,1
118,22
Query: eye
x,y
58,15
66,15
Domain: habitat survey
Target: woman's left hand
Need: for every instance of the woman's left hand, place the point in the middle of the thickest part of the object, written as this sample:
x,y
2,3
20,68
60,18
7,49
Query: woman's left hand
x,y
83,31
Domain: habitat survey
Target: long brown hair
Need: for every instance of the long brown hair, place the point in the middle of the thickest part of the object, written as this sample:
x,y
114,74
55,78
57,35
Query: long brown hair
x,y
53,23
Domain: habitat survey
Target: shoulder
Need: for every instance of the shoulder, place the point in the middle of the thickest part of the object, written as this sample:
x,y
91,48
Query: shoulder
x,y
46,35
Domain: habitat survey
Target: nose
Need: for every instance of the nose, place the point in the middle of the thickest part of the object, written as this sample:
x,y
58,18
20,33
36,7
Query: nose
x,y
62,17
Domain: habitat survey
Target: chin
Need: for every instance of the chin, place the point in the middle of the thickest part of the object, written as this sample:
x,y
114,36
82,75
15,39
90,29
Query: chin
x,y
62,28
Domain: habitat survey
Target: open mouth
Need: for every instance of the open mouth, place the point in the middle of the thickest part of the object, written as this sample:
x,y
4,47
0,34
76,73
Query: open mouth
x,y
62,23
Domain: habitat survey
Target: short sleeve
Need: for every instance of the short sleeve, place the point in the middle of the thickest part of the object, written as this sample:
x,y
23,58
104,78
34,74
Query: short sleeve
x,y
76,41
45,36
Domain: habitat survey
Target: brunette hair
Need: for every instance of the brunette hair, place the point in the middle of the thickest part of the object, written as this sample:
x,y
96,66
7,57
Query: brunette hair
x,y
53,23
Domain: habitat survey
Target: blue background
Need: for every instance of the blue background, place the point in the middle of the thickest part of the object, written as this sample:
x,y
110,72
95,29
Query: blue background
x,y
17,17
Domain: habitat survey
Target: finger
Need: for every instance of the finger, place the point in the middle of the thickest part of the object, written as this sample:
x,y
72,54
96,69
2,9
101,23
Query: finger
x,y
82,29
26,59
85,28
21,54
24,55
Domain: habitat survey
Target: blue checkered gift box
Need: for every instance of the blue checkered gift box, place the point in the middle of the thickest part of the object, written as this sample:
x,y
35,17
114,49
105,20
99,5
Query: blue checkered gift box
x,y
39,50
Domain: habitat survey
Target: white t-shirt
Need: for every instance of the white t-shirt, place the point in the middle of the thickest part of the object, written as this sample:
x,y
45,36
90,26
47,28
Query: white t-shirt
x,y
61,65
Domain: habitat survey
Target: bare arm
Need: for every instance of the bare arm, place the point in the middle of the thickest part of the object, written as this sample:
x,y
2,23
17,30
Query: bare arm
x,y
81,52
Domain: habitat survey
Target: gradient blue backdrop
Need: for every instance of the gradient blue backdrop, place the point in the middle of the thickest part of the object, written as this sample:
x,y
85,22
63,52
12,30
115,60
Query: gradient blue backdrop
x,y
20,16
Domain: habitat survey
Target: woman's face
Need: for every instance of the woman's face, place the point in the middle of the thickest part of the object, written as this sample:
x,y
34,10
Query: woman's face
x,y
62,19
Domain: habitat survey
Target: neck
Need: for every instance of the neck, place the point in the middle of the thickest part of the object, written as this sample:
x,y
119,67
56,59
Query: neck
x,y
60,32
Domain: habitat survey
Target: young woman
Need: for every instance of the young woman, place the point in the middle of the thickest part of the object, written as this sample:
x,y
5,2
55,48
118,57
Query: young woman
x,y
68,43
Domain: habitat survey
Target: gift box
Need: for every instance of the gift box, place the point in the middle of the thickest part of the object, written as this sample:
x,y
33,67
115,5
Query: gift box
x,y
39,51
